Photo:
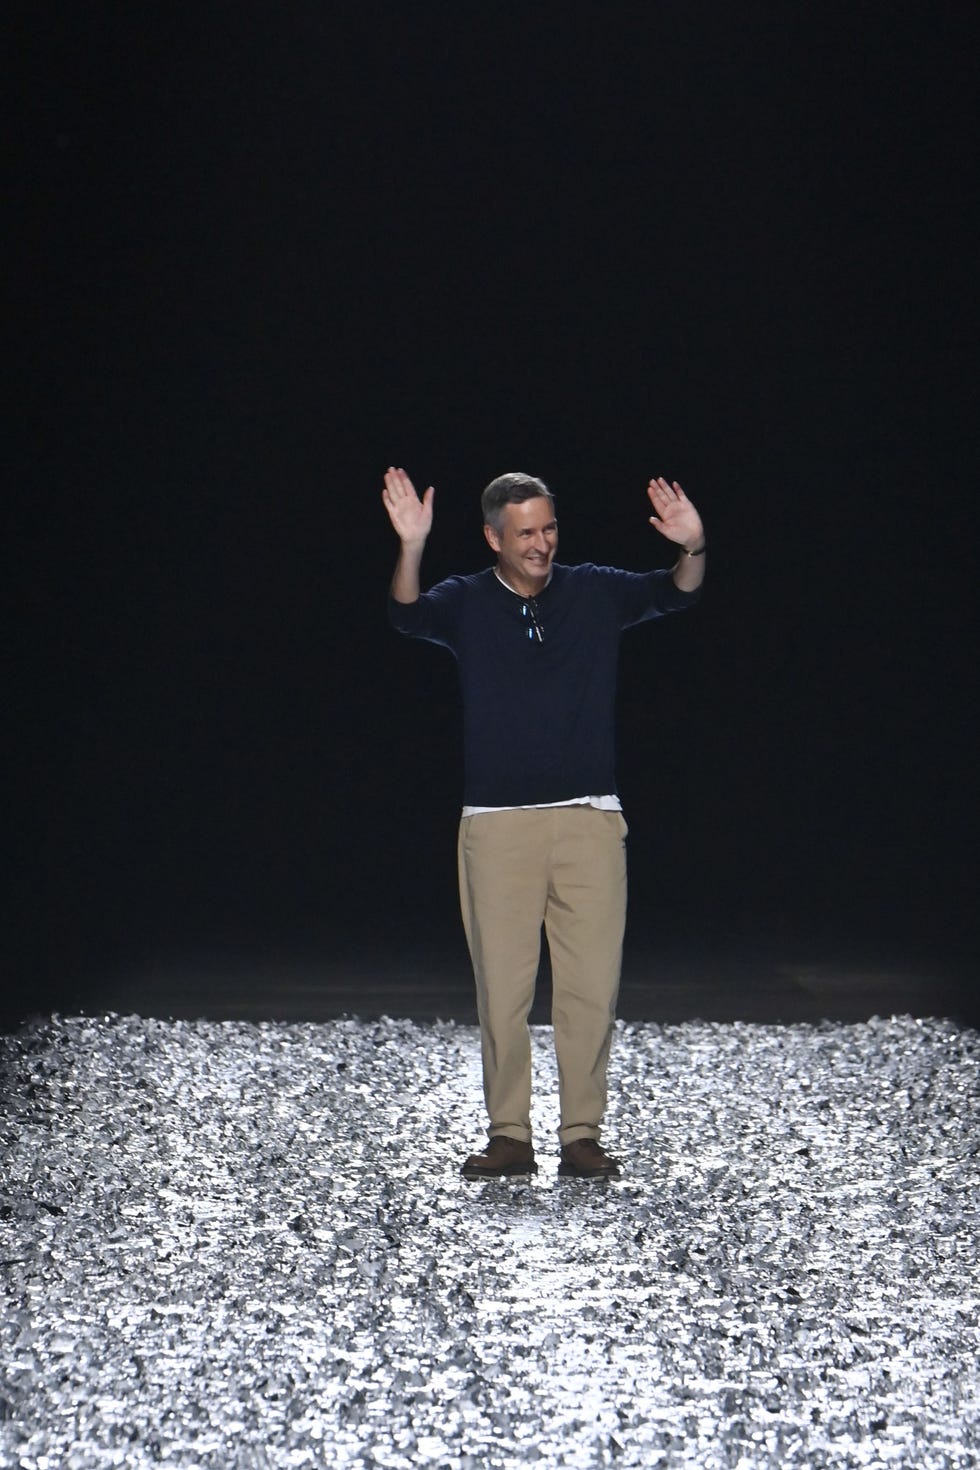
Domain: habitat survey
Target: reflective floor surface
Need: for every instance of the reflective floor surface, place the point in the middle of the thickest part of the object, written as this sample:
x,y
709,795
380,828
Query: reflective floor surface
x,y
248,1243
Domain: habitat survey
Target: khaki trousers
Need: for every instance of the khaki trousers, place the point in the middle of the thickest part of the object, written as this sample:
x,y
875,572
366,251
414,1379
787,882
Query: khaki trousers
x,y
565,868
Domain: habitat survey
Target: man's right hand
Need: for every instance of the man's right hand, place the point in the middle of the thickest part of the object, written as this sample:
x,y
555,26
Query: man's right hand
x,y
410,516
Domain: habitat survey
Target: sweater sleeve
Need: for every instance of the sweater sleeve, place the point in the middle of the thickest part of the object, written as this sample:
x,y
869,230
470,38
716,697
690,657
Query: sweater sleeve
x,y
434,617
640,596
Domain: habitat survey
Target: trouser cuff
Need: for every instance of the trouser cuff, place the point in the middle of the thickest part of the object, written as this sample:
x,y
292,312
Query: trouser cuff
x,y
576,1131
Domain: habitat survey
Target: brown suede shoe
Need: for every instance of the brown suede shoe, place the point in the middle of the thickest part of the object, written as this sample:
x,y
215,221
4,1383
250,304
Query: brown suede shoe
x,y
587,1159
503,1156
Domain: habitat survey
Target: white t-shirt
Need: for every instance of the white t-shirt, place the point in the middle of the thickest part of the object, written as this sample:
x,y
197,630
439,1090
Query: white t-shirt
x,y
601,804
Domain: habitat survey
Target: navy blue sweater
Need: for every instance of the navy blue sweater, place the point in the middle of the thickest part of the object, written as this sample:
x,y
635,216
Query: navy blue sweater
x,y
538,714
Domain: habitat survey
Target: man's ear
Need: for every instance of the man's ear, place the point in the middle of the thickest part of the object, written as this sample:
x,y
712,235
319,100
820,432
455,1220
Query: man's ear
x,y
493,540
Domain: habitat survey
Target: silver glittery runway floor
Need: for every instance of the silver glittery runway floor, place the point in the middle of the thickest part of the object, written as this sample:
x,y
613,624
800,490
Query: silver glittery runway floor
x,y
248,1245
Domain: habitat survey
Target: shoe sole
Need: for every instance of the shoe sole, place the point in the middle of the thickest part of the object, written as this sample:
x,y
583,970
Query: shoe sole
x,y
569,1171
512,1171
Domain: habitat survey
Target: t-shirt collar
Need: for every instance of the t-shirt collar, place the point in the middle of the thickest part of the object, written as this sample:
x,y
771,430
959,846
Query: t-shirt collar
x,y
504,583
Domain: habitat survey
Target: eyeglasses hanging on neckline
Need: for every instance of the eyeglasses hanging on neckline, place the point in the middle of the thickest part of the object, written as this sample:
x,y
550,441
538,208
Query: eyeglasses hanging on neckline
x,y
529,609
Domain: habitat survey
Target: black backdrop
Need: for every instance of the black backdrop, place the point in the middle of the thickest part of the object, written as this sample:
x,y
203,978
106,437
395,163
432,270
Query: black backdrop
x,y
259,252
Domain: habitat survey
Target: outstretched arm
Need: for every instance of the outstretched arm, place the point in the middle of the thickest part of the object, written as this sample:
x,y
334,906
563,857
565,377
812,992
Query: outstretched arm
x,y
676,518
412,520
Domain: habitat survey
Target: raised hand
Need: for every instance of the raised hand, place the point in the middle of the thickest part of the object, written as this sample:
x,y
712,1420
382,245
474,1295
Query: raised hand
x,y
675,516
410,516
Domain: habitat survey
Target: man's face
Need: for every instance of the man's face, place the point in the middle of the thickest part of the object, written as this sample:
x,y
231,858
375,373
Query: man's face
x,y
526,544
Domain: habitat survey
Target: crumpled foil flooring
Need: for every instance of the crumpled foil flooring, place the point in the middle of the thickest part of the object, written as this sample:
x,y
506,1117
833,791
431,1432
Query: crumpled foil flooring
x,y
248,1245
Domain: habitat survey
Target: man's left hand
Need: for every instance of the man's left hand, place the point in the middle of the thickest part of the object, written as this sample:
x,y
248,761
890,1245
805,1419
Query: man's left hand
x,y
675,517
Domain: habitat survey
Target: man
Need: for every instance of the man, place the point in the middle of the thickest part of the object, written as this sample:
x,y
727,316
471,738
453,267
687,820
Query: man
x,y
542,836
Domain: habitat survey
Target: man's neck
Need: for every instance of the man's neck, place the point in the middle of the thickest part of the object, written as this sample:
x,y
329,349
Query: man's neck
x,y
534,591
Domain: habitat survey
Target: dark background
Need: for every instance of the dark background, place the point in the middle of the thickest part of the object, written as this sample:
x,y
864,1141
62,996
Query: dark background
x,y
260,252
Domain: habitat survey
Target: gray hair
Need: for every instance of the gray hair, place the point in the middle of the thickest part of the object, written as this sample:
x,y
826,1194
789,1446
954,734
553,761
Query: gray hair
x,y
510,489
